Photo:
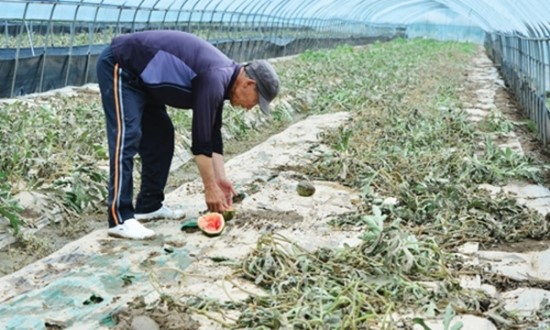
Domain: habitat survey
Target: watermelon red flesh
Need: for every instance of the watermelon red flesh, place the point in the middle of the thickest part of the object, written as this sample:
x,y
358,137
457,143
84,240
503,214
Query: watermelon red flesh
x,y
211,223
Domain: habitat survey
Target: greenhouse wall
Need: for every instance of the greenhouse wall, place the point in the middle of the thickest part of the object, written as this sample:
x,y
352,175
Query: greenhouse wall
x,y
466,33
33,64
30,71
525,65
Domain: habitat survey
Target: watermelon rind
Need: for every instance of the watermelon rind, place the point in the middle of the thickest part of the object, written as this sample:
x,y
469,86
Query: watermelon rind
x,y
190,224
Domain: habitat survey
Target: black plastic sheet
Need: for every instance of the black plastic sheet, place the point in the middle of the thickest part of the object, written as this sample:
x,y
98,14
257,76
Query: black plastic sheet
x,y
39,70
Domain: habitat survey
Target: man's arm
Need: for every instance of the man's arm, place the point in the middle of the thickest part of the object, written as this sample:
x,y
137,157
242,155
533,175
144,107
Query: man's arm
x,y
223,182
219,166
208,143
215,197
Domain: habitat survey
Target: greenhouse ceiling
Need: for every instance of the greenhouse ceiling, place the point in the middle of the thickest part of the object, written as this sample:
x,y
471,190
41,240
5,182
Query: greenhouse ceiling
x,y
525,17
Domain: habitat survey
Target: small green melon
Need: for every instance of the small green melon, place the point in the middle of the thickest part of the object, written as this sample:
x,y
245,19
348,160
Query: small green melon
x,y
239,197
229,214
305,188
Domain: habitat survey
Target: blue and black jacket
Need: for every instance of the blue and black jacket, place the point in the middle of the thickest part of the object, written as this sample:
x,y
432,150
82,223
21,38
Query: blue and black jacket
x,y
183,71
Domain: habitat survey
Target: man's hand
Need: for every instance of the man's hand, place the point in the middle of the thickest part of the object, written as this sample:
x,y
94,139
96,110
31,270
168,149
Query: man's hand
x,y
227,188
218,190
213,195
215,199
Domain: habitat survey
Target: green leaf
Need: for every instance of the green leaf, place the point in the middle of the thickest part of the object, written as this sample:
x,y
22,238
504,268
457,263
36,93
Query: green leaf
x,y
15,221
375,223
449,315
420,321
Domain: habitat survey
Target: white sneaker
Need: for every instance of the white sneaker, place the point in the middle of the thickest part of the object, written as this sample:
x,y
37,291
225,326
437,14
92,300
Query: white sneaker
x,y
131,229
162,213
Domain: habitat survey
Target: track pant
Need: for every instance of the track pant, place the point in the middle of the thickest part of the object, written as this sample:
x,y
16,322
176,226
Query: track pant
x,y
135,124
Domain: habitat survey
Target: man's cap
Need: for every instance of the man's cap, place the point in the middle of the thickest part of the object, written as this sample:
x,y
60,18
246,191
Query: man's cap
x,y
267,82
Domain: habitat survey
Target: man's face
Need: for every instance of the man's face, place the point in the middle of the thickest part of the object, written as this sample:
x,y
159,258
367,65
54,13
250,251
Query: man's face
x,y
245,95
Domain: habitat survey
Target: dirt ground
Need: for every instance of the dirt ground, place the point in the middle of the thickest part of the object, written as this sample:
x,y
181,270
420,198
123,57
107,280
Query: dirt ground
x,y
166,315
47,240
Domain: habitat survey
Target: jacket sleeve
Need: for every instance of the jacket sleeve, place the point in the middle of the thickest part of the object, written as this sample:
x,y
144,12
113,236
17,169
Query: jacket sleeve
x,y
208,97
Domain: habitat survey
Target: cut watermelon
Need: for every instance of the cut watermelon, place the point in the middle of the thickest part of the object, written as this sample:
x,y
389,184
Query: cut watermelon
x,y
211,224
